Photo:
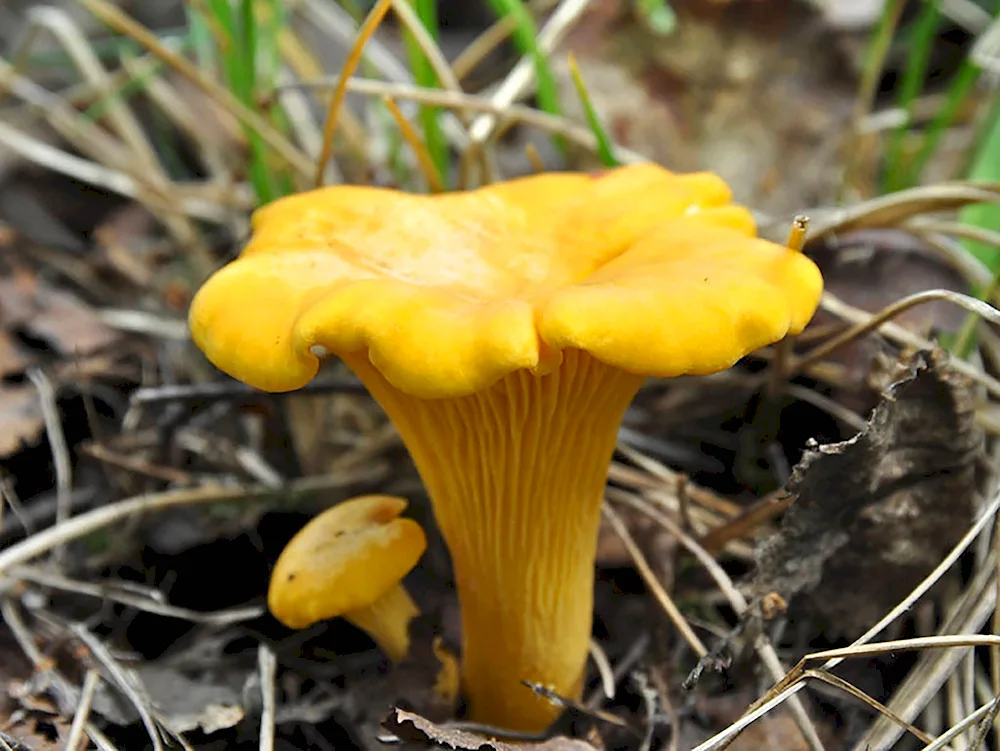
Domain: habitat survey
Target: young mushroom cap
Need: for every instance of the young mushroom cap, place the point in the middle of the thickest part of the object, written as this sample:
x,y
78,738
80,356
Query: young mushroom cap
x,y
350,561
505,330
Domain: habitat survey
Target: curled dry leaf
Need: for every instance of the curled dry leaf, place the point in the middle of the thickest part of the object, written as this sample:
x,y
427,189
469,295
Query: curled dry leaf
x,y
874,514
419,730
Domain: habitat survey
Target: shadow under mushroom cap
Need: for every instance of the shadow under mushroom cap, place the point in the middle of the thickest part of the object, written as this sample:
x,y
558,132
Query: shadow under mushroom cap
x,y
649,271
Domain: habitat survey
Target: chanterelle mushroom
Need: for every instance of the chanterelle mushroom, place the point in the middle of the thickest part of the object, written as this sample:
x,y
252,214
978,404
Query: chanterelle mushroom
x,y
350,561
505,330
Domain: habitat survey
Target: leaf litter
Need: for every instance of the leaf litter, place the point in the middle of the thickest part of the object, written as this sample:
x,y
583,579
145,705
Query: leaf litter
x,y
684,455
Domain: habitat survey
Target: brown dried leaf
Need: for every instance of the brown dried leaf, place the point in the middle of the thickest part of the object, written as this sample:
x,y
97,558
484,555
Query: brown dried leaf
x,y
874,514
54,316
21,419
11,359
416,729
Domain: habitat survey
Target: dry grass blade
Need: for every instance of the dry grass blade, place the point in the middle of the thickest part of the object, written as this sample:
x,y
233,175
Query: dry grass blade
x,y
365,33
99,518
123,24
960,727
934,668
862,321
477,50
559,126
267,664
111,593
848,688
765,651
412,138
894,208
791,683
141,152
646,571
124,679
972,304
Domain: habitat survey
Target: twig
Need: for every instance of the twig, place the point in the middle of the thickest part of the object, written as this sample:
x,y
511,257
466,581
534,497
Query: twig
x,y
90,172
65,694
654,585
105,516
82,714
267,664
39,510
57,444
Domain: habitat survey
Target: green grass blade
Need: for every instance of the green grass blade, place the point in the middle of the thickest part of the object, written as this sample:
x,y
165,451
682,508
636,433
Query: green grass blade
x,y
605,147
525,36
958,92
424,75
986,166
658,16
921,40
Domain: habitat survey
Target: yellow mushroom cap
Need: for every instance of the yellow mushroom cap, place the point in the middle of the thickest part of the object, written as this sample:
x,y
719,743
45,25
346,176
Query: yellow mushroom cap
x,y
344,560
654,272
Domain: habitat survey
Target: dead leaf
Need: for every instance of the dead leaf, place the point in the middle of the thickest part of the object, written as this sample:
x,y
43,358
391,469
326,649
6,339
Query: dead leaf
x,y
874,514
55,316
206,703
21,421
11,359
416,729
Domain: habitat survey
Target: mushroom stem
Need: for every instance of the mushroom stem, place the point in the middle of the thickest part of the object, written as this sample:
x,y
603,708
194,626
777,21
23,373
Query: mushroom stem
x,y
516,473
387,621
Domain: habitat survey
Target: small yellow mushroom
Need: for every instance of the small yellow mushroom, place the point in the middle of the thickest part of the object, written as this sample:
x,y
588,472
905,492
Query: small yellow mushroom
x,y
350,561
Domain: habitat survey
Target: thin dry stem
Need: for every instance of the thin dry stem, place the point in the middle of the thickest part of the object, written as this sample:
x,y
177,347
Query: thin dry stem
x,y
366,31
416,143
646,571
